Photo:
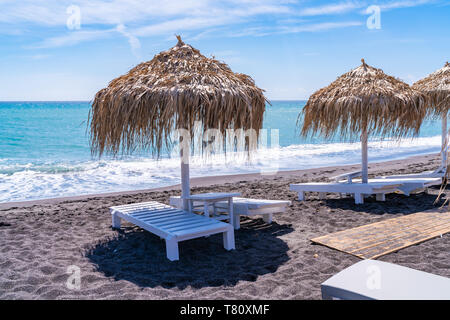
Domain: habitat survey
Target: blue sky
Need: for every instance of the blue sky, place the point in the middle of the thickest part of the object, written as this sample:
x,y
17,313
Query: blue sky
x,y
291,48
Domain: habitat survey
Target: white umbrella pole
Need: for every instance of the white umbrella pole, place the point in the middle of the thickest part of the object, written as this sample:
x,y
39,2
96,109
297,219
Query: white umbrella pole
x,y
185,188
444,140
365,163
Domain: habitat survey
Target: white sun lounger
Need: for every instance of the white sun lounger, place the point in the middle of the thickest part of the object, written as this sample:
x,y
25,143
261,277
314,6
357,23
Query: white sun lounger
x,y
409,185
438,173
245,207
172,224
380,189
378,280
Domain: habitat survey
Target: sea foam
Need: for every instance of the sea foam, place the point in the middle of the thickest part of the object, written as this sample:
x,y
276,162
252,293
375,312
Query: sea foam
x,y
38,180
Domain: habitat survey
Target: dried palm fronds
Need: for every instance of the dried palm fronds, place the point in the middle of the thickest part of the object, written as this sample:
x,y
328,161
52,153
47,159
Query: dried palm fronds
x,y
437,87
364,98
141,109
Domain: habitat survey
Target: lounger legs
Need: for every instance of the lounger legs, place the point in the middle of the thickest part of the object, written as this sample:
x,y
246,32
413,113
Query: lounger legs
x,y
267,218
206,209
115,221
381,197
236,221
301,196
228,239
172,249
359,198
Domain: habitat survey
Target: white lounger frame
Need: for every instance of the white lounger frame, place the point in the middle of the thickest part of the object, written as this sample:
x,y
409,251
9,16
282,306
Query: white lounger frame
x,y
244,207
440,172
357,189
378,186
171,224
411,185
349,176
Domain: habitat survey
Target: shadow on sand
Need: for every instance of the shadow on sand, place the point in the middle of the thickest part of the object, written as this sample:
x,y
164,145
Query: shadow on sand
x,y
394,204
138,256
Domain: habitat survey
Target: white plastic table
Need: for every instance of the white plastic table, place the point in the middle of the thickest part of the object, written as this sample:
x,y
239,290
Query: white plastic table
x,y
210,199
243,206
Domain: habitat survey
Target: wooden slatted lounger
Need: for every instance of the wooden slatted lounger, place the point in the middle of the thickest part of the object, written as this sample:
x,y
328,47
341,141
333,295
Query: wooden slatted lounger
x,y
172,224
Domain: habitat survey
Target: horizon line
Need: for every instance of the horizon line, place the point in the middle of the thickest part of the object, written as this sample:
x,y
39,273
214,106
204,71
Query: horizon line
x,y
89,101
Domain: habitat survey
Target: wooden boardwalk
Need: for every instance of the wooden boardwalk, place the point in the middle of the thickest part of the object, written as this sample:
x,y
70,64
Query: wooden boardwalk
x,y
377,239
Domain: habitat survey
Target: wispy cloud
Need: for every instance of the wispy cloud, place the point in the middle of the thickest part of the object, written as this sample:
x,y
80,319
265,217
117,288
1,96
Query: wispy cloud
x,y
404,4
400,4
130,12
134,42
73,38
349,6
182,24
323,26
331,9
136,19
313,27
39,56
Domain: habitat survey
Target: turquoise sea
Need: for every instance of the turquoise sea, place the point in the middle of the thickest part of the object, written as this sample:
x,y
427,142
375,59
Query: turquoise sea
x,y
44,152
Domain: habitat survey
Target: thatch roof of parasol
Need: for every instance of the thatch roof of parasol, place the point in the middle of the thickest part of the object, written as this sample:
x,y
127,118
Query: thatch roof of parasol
x,y
437,87
364,98
141,109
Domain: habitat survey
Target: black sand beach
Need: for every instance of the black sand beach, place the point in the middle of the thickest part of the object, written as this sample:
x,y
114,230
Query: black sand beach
x,y
41,239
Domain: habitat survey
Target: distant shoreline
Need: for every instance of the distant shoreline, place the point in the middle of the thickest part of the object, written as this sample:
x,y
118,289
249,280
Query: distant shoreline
x,y
55,160
216,180
43,101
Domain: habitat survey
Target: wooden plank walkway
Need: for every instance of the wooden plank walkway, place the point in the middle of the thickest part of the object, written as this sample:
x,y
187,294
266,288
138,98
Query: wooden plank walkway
x,y
378,239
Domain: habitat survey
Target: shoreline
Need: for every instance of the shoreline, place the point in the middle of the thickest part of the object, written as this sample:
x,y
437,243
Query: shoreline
x,y
217,180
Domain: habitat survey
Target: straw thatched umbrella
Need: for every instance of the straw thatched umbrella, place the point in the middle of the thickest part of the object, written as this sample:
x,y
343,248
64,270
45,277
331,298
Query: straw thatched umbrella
x,y
364,101
180,86
437,87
